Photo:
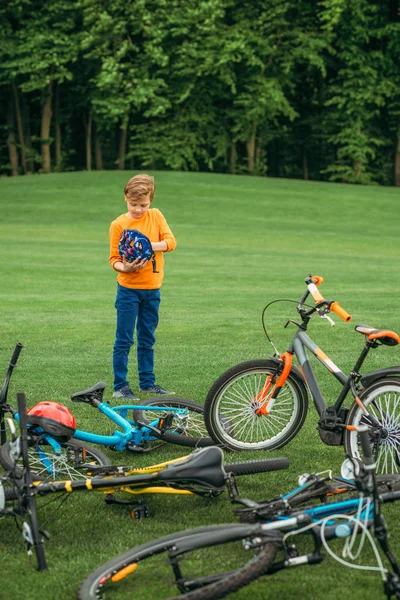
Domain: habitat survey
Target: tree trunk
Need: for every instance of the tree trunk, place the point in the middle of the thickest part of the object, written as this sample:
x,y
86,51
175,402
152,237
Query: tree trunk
x,y
305,164
89,143
45,126
28,137
20,128
122,145
12,147
358,168
251,145
58,128
97,151
397,161
233,157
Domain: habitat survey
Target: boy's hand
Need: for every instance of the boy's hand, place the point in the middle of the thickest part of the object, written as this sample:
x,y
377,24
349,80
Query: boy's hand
x,y
136,265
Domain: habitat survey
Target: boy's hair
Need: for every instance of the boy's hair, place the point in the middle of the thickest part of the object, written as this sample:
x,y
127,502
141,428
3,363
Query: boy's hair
x,y
139,186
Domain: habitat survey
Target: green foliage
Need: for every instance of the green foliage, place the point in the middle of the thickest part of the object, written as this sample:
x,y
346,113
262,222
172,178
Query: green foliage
x,y
296,88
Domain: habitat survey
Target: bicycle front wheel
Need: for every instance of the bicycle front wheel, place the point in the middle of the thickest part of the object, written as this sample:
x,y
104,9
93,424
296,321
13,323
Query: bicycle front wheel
x,y
232,400
73,463
186,429
382,401
199,564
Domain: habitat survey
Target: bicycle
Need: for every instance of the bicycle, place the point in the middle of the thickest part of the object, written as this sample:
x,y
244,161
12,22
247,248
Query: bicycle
x,y
180,422
266,401
189,563
202,473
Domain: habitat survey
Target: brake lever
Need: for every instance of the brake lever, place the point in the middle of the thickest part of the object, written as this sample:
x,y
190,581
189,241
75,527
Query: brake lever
x,y
325,316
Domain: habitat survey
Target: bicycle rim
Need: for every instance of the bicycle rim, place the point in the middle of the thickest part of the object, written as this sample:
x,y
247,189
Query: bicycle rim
x,y
247,430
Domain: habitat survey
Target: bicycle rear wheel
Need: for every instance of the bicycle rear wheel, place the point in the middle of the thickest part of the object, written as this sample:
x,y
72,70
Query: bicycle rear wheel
x,y
73,463
382,401
200,564
187,429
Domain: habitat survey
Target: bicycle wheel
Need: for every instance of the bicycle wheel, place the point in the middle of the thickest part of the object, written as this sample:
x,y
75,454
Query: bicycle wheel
x,y
73,462
232,399
199,564
382,401
185,430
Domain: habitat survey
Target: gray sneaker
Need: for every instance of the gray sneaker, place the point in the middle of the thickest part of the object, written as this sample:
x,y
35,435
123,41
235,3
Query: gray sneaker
x,y
156,389
125,392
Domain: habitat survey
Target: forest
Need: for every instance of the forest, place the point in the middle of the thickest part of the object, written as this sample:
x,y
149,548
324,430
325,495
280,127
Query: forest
x,y
302,89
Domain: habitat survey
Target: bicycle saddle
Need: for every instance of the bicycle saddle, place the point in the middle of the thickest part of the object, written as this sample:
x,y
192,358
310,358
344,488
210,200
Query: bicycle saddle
x,y
93,393
385,336
203,466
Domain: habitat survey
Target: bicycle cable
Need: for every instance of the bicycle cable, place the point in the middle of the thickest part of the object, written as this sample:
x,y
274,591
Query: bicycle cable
x,y
277,353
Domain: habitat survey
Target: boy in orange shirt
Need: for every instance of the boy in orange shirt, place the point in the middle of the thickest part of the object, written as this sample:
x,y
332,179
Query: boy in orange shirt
x,y
138,293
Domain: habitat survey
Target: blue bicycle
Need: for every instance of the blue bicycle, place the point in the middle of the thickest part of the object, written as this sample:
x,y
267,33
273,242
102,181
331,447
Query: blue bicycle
x,y
58,450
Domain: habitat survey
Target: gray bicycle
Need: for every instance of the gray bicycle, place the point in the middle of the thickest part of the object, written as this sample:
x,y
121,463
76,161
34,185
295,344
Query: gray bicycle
x,y
265,401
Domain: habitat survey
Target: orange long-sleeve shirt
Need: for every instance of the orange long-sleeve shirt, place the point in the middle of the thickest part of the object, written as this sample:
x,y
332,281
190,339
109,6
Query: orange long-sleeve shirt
x,y
154,225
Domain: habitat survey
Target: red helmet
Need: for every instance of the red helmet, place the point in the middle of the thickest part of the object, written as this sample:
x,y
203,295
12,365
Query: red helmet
x,y
53,418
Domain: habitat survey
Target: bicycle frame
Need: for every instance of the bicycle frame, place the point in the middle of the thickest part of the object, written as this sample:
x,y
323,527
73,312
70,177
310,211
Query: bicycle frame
x,y
131,433
300,343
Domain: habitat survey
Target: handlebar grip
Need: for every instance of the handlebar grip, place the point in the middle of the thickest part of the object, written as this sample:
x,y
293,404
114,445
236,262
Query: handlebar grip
x,y
317,279
16,353
335,307
315,293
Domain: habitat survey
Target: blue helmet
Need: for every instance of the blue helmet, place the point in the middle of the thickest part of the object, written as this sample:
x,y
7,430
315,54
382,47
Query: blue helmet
x,y
133,245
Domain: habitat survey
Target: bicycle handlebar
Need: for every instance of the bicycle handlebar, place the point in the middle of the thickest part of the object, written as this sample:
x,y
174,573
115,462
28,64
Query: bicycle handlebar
x,y
335,307
318,297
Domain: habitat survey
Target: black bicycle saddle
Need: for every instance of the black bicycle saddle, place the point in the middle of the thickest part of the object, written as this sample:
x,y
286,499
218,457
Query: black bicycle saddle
x,y
203,466
93,393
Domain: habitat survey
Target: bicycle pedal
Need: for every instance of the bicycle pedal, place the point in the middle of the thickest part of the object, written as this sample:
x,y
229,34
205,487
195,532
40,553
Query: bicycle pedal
x,y
140,512
164,423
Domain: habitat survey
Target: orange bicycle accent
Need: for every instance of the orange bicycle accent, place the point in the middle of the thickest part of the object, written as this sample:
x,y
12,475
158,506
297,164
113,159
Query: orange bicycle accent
x,y
124,572
335,307
351,427
338,491
360,404
287,359
267,386
384,333
318,279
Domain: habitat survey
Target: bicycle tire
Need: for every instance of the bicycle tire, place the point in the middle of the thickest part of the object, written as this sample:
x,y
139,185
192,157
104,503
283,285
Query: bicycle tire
x,y
65,469
180,545
251,467
237,393
196,422
378,398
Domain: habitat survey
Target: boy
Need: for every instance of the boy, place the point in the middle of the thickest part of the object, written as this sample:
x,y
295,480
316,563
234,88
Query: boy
x,y
138,293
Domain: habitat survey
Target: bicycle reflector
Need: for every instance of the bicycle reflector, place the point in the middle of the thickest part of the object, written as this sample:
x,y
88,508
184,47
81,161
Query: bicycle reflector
x,y
133,245
54,418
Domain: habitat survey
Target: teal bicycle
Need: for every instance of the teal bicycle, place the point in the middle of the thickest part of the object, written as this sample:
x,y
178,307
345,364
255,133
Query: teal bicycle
x,y
141,428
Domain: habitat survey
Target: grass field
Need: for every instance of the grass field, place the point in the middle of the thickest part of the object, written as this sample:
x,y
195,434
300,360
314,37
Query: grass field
x,y
241,242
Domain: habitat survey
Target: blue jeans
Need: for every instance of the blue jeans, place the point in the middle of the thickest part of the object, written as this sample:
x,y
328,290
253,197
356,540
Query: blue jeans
x,y
140,308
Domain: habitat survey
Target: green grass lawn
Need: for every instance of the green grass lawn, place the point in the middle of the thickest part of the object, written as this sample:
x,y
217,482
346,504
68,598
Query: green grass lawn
x,y
242,242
